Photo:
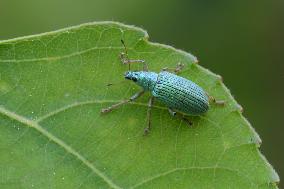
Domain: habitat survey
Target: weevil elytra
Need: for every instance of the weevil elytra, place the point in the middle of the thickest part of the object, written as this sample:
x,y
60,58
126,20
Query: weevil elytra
x,y
177,93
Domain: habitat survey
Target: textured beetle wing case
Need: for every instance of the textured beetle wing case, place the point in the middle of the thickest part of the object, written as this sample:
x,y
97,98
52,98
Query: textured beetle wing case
x,y
180,94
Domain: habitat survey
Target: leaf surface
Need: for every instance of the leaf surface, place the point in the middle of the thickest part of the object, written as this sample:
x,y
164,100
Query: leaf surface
x,y
52,135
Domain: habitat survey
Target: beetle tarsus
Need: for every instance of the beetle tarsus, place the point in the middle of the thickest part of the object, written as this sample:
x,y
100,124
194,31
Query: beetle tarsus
x,y
105,110
146,131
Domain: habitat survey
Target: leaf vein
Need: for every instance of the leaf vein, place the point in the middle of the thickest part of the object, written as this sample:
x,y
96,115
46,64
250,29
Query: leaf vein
x,y
186,169
61,57
69,149
90,102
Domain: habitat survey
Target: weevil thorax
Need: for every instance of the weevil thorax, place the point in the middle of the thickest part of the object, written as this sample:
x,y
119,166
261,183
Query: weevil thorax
x,y
146,80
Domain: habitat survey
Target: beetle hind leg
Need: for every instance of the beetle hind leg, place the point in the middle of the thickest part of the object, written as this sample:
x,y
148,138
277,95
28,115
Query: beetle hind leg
x,y
181,116
217,102
187,121
172,112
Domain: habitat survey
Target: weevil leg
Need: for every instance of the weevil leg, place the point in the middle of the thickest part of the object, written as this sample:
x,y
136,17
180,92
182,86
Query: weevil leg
x,y
173,113
125,60
217,102
114,106
149,113
187,121
179,67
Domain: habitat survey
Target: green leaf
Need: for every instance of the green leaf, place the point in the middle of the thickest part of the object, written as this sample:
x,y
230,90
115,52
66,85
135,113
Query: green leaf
x,y
52,135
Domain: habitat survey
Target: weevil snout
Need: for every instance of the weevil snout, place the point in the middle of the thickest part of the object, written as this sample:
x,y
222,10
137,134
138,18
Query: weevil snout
x,y
131,76
146,80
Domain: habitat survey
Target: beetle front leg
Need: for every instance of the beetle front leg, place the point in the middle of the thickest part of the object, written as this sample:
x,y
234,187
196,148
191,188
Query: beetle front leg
x,y
114,106
125,60
149,113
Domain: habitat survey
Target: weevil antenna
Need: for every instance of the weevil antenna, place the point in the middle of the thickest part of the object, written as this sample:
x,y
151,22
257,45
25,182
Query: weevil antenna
x,y
126,53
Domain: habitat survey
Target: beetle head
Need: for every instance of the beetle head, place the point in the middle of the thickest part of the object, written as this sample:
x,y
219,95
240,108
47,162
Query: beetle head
x,y
131,75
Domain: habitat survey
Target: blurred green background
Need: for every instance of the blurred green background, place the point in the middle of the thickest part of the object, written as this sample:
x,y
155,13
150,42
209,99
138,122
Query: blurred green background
x,y
241,40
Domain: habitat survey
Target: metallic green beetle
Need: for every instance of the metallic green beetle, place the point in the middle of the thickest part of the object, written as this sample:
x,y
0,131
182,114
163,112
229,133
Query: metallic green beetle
x,y
177,93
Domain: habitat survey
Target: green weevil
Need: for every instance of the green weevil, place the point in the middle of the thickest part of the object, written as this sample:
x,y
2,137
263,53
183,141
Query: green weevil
x,y
177,93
